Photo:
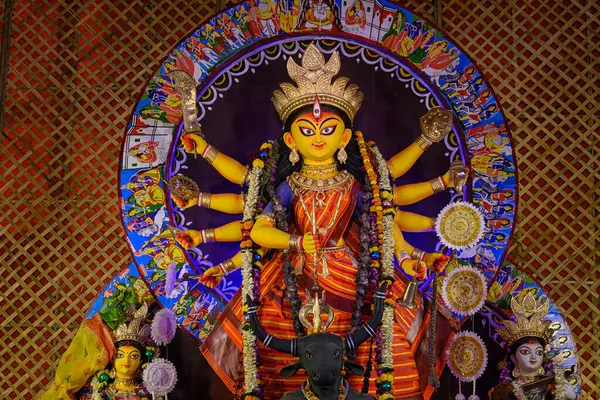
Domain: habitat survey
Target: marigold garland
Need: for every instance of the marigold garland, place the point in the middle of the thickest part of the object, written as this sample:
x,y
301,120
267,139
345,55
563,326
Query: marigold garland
x,y
382,249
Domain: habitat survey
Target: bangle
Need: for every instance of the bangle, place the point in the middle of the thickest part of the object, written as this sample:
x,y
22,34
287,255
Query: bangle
x,y
227,266
270,216
423,142
295,243
210,153
417,254
437,184
204,200
402,256
208,235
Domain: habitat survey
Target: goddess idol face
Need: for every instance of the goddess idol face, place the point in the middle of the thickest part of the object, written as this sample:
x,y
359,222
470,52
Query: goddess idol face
x,y
317,136
529,356
127,361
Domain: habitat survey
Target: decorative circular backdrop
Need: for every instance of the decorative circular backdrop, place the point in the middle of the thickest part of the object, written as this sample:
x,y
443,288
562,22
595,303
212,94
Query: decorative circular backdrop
x,y
402,64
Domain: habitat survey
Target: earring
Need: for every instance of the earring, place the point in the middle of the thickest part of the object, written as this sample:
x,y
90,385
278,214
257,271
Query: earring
x,y
294,156
112,374
541,371
342,156
516,372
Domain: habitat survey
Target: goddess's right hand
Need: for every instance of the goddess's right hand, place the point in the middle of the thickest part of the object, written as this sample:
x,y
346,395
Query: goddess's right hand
x,y
415,268
183,204
310,243
189,239
193,143
211,277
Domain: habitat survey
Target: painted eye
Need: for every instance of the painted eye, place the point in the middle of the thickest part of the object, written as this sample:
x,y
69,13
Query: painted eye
x,y
120,355
524,351
328,131
540,352
308,355
336,354
307,131
134,356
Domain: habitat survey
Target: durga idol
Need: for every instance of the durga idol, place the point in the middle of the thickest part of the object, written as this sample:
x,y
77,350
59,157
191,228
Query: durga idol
x,y
325,220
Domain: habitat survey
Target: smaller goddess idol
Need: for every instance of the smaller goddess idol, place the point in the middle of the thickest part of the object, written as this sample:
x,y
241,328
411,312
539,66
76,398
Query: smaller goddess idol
x,y
527,374
123,381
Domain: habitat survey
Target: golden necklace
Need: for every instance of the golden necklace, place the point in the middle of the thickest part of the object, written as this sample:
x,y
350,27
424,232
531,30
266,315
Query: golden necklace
x,y
319,171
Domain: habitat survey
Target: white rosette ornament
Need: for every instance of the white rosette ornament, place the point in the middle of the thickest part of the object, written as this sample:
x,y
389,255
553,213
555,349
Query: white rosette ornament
x,y
464,290
164,327
467,356
460,225
160,377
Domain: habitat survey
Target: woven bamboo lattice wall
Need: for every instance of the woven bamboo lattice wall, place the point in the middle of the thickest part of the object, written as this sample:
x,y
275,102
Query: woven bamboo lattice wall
x,y
75,69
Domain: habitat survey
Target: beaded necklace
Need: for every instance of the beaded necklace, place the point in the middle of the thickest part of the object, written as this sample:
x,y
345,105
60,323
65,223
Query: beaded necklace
x,y
309,395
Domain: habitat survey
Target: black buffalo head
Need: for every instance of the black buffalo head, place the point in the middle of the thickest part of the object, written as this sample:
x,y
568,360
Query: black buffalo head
x,y
321,354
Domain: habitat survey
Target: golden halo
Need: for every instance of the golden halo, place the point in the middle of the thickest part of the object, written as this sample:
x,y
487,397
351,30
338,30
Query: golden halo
x,y
464,290
467,356
459,225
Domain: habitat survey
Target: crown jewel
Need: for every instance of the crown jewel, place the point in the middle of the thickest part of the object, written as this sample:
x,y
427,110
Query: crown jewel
x,y
136,330
313,79
528,313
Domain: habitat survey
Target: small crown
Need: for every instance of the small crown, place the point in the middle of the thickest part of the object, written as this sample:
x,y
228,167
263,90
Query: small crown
x,y
528,313
136,330
314,79
316,307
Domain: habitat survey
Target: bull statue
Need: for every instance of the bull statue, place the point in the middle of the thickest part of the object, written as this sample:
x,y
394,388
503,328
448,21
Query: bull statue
x,y
322,355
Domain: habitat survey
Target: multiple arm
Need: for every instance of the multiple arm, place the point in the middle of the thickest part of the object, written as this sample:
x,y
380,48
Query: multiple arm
x,y
229,168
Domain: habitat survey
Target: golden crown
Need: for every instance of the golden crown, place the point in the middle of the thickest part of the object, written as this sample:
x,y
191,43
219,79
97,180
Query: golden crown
x,y
314,80
528,313
136,330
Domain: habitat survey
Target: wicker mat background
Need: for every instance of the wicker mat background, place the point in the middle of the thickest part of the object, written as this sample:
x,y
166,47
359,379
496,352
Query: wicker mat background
x,y
76,67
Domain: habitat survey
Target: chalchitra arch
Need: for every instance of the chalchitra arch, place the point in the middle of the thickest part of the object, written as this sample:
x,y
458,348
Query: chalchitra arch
x,y
405,67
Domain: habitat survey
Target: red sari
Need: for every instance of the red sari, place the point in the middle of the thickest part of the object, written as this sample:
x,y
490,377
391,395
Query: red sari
x,y
337,268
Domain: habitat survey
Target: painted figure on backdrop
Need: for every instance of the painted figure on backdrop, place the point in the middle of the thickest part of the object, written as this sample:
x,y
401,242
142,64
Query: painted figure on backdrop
x,y
266,14
202,53
320,222
356,15
165,102
213,39
319,14
240,18
396,34
527,373
233,35
440,62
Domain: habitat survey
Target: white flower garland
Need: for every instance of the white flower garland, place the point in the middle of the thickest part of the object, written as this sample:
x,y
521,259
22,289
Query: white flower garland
x,y
249,339
387,267
387,261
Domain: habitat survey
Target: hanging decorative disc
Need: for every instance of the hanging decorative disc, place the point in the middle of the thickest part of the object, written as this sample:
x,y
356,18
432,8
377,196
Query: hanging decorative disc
x,y
464,290
467,356
184,187
459,225
160,377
